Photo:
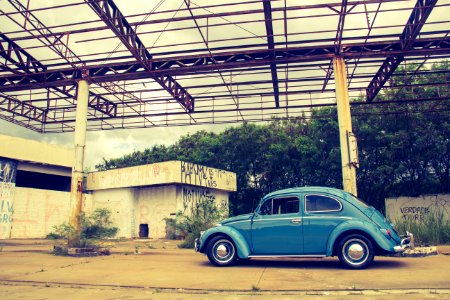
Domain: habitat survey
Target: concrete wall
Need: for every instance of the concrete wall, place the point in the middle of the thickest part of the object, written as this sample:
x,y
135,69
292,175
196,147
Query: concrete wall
x,y
189,197
131,207
37,211
8,170
171,172
34,151
121,203
416,208
154,205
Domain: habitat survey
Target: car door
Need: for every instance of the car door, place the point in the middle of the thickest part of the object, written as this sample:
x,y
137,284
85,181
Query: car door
x,y
277,227
322,213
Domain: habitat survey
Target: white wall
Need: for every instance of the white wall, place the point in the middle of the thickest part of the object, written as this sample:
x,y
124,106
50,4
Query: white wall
x,y
417,208
37,211
121,203
154,205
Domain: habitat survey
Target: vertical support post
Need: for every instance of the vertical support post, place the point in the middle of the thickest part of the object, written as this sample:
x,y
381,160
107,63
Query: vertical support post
x,y
76,193
345,126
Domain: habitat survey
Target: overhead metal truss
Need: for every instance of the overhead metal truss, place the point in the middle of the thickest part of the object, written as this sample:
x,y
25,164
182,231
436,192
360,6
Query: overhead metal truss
x,y
202,62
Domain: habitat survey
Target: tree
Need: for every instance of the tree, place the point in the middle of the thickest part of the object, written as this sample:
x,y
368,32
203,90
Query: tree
x,y
404,148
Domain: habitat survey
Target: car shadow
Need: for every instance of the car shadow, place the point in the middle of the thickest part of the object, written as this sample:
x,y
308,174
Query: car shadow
x,y
309,263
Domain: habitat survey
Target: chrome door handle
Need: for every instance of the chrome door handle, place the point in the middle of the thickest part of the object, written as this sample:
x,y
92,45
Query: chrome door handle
x,y
296,220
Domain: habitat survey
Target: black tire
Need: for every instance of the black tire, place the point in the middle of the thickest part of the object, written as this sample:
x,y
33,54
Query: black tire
x,y
221,251
355,251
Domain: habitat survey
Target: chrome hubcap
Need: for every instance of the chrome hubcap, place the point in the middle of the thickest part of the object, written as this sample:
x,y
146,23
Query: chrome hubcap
x,y
222,251
355,251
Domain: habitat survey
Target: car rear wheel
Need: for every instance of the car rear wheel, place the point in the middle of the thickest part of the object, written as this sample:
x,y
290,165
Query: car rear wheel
x,y
355,251
221,251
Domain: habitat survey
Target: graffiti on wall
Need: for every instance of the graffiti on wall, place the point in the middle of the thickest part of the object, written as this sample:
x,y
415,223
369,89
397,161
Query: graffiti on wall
x,y
200,175
417,209
193,197
7,185
37,211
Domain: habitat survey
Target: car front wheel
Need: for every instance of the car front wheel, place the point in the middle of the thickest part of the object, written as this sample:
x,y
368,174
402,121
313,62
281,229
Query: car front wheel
x,y
221,251
355,251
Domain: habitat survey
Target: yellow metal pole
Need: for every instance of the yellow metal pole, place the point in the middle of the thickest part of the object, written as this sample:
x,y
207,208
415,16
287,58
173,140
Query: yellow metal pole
x,y
76,196
345,127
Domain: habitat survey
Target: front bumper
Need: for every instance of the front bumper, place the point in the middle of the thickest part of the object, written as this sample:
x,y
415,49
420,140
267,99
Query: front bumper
x,y
406,243
197,245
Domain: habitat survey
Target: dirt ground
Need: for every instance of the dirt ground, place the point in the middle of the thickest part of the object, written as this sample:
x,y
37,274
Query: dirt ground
x,y
157,269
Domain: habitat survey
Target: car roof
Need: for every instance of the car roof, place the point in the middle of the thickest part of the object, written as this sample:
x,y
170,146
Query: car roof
x,y
308,189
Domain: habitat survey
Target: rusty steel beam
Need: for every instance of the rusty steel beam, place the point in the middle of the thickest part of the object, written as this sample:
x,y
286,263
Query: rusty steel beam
x,y
15,57
22,108
417,19
54,42
100,103
24,62
270,44
205,63
116,21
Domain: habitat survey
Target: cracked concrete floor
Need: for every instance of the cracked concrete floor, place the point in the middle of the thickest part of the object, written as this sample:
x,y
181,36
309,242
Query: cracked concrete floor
x,y
158,270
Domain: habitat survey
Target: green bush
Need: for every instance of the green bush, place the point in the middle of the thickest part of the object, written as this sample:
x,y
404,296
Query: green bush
x,y
433,230
94,227
203,216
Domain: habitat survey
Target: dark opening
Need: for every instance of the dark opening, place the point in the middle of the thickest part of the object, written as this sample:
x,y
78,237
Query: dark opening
x,y
42,181
143,230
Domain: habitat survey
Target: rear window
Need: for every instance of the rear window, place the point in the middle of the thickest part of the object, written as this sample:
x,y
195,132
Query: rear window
x,y
320,203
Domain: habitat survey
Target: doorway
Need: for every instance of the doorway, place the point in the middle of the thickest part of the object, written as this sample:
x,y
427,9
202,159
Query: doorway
x,y
143,231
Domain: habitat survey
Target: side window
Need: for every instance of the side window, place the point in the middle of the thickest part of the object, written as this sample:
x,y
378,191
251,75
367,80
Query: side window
x,y
317,203
266,208
280,206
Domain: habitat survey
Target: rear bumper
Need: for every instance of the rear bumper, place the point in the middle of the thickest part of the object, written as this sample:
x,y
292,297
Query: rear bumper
x,y
406,243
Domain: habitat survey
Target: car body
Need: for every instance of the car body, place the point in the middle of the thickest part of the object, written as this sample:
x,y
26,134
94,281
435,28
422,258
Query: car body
x,y
304,222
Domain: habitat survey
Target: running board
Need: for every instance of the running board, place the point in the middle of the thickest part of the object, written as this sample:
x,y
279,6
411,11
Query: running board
x,y
291,256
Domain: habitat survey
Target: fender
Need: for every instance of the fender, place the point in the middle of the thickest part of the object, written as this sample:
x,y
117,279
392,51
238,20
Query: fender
x,y
367,227
242,246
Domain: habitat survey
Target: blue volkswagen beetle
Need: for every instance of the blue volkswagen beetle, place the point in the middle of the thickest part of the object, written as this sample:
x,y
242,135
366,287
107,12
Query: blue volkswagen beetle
x,y
304,222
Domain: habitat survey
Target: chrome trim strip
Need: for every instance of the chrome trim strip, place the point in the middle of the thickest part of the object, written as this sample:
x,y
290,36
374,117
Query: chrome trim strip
x,y
275,219
287,255
328,217
234,222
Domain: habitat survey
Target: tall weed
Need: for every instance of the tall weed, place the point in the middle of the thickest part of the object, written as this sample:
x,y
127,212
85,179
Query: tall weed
x,y
433,230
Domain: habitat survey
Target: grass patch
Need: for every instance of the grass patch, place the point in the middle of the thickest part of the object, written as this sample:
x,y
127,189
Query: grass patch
x,y
433,230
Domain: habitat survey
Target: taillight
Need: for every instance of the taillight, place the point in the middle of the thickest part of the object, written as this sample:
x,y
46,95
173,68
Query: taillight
x,y
388,231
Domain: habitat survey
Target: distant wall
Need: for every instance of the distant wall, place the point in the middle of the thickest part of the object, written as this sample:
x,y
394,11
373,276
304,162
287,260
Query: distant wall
x,y
36,211
8,170
416,208
170,172
154,205
189,197
121,203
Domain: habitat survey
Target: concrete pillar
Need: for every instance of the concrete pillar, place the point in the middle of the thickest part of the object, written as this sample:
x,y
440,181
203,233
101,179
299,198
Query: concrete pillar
x,y
346,137
76,195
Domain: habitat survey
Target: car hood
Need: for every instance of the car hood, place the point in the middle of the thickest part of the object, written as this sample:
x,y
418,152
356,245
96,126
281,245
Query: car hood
x,y
236,218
